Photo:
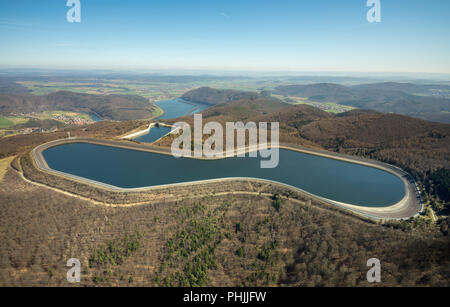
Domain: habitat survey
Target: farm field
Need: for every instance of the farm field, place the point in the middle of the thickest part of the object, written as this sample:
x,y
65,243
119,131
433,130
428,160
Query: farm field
x,y
154,91
9,124
9,121
330,107
5,122
56,114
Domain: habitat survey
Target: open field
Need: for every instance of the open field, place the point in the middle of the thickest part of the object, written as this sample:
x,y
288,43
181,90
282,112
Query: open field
x,y
56,113
5,122
152,90
9,121
330,107
13,125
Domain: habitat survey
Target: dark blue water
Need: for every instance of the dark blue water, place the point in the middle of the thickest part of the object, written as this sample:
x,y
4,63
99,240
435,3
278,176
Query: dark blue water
x,y
155,134
173,109
332,179
94,117
178,108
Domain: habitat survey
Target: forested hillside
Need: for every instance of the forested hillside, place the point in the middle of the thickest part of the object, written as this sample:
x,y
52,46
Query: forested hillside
x,y
236,239
430,102
233,240
420,147
114,107
213,96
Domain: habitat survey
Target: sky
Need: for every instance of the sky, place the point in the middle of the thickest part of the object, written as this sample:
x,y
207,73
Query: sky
x,y
250,35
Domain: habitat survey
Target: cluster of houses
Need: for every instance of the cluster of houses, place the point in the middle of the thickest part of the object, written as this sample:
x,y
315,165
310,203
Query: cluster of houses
x,y
68,120
75,120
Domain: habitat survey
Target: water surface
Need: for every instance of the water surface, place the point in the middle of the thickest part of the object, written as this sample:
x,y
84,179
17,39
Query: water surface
x,y
125,168
154,134
173,109
178,108
95,118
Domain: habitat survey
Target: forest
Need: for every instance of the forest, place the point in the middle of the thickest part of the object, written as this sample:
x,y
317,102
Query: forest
x,y
113,107
429,102
420,147
231,240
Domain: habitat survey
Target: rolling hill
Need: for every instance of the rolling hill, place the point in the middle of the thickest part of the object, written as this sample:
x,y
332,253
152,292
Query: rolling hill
x,y
428,102
420,147
11,87
213,96
245,239
113,107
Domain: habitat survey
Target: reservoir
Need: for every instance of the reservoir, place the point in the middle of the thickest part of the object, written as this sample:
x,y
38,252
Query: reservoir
x,y
125,168
178,107
172,109
155,134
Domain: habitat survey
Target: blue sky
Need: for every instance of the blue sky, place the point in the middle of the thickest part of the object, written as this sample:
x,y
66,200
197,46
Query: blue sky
x,y
259,35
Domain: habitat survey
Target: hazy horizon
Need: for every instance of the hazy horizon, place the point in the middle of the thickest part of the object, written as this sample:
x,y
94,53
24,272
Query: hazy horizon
x,y
285,36
375,76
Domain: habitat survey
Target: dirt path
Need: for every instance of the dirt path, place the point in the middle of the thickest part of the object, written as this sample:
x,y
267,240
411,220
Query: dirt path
x,y
198,196
105,204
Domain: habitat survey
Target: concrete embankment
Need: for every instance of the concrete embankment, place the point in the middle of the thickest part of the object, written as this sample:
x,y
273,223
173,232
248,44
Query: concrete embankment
x,y
409,206
136,134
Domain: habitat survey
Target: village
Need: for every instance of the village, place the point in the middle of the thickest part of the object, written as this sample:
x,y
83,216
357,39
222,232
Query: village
x,y
43,122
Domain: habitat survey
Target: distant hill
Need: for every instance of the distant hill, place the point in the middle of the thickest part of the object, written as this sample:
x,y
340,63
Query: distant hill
x,y
243,109
264,109
40,123
370,128
113,107
213,96
428,102
11,87
413,144
293,116
320,92
416,145
409,88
